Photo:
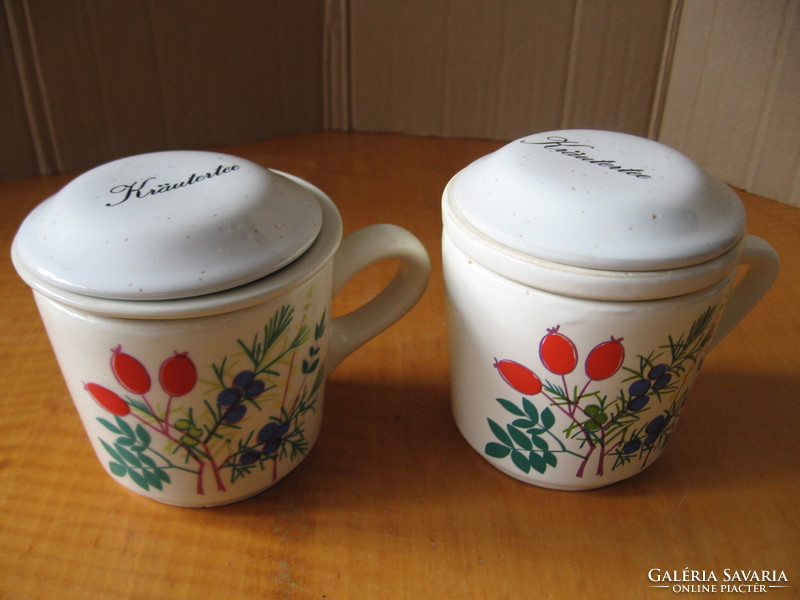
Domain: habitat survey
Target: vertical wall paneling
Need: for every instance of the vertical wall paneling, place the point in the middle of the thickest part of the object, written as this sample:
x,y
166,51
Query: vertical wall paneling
x,y
616,62
733,102
336,65
111,78
775,160
501,69
665,68
23,130
85,81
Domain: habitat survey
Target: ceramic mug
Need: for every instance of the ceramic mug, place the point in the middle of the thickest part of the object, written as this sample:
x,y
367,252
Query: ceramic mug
x,y
212,398
572,359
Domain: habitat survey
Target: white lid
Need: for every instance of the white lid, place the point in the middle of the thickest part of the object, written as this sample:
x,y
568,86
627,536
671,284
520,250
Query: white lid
x,y
598,200
168,225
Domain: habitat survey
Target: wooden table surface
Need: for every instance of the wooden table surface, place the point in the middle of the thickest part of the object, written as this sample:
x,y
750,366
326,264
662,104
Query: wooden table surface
x,y
392,503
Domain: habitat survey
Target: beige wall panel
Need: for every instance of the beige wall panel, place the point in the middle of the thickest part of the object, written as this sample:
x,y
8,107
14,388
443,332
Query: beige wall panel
x,y
733,102
617,55
775,170
505,68
119,77
396,68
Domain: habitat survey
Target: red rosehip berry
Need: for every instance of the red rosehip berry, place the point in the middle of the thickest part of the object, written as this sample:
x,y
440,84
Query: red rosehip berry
x,y
519,377
129,372
557,352
605,359
109,400
178,375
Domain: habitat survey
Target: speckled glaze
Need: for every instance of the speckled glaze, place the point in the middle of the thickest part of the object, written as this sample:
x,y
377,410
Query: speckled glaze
x,y
193,326
587,274
168,225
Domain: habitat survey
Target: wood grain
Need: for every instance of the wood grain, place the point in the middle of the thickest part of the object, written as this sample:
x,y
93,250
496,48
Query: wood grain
x,y
392,503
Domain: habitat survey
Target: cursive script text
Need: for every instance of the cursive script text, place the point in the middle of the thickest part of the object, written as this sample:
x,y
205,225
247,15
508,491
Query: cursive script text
x,y
149,186
572,148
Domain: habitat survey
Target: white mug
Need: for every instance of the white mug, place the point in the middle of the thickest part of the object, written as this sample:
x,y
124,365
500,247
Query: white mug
x,y
587,275
200,377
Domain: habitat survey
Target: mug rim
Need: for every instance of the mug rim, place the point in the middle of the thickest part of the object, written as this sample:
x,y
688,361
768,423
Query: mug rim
x,y
582,282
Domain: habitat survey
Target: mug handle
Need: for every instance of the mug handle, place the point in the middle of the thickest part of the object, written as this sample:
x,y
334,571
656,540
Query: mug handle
x,y
762,268
359,250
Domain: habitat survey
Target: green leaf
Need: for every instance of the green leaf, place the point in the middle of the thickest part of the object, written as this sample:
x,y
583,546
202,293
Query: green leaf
x,y
153,479
522,440
112,452
523,423
591,425
112,428
530,410
309,367
319,329
522,463
117,469
511,407
548,418
278,324
500,433
139,479
162,475
537,462
141,407
126,429
301,337
318,381
147,461
143,435
128,457
126,441
540,443
550,458
496,450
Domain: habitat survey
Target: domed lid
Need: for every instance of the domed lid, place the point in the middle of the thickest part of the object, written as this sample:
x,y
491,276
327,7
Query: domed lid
x,y
598,200
168,225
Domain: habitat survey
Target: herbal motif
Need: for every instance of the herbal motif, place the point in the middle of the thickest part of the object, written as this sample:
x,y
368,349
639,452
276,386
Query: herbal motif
x,y
633,425
158,437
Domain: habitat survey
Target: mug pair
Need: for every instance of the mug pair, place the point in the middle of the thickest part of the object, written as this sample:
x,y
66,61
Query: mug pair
x,y
587,274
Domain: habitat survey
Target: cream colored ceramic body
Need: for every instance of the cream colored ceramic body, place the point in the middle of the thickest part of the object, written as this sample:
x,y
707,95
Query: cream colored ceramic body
x,y
210,399
574,376
171,439
582,433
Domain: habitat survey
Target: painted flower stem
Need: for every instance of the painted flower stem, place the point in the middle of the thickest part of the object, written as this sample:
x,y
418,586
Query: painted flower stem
x,y
166,433
206,457
167,412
